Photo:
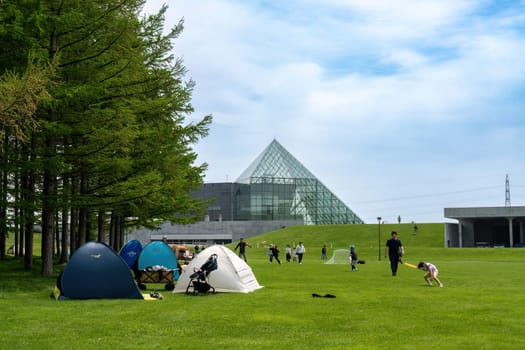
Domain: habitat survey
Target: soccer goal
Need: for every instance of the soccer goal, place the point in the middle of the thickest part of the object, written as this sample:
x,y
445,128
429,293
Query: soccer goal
x,y
339,256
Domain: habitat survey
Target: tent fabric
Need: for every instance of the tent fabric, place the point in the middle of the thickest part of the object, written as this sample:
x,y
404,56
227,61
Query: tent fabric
x,y
96,271
233,275
158,253
130,252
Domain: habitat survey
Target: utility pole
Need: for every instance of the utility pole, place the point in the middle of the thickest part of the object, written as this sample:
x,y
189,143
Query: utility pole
x,y
379,237
507,191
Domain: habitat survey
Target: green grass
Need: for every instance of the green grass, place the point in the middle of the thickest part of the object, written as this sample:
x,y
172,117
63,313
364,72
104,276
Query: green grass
x,y
480,307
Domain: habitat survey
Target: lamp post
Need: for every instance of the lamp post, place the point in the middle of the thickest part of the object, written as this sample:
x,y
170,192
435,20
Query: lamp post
x,y
379,237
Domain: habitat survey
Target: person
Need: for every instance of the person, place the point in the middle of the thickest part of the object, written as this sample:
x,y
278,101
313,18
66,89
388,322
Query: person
x,y
415,229
288,252
323,253
353,258
299,251
275,253
196,249
432,273
395,250
242,248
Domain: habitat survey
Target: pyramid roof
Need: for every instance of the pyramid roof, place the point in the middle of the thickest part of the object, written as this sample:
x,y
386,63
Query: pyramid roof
x,y
312,199
276,162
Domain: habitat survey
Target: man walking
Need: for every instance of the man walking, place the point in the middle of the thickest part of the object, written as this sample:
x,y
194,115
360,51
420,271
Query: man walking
x,y
395,251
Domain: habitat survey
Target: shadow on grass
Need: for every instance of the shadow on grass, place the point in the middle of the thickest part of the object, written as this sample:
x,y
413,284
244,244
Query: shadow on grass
x,y
15,278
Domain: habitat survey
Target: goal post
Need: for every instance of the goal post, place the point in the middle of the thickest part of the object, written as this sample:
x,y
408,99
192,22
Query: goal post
x,y
339,256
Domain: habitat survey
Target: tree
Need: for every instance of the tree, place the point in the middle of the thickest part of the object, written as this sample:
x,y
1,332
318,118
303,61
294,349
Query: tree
x,y
111,144
22,92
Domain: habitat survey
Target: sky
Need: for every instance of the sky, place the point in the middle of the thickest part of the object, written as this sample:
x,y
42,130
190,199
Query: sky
x,y
400,108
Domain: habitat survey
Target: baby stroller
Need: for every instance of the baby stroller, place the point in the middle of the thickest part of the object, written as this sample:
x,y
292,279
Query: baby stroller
x,y
198,279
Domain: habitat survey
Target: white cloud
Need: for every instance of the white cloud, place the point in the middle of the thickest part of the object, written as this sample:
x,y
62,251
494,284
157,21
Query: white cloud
x,y
379,99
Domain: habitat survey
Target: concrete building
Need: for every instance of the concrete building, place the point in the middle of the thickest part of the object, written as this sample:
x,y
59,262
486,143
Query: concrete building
x,y
485,227
275,191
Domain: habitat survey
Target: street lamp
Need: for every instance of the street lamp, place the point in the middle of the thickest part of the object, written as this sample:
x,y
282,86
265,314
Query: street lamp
x,y
379,237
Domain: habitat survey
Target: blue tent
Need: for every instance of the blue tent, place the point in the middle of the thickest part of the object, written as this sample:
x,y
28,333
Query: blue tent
x,y
158,253
96,271
130,252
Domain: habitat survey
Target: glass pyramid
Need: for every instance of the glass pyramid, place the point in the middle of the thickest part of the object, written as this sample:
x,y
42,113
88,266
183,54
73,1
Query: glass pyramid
x,y
277,187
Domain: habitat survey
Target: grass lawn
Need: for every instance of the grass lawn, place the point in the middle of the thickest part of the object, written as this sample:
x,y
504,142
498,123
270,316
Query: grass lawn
x,y
482,305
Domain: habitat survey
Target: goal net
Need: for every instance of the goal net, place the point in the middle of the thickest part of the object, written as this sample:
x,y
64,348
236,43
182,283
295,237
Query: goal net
x,y
339,256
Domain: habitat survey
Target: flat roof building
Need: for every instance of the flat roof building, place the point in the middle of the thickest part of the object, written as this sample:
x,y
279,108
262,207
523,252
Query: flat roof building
x,y
485,227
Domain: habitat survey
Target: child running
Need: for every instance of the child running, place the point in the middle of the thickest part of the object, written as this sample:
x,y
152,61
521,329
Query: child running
x,y
432,273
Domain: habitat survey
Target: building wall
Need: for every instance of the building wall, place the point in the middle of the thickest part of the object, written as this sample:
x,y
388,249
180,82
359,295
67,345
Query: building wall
x,y
468,230
451,235
213,231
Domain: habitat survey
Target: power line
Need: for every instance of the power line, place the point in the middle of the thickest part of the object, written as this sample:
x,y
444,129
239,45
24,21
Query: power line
x,y
426,195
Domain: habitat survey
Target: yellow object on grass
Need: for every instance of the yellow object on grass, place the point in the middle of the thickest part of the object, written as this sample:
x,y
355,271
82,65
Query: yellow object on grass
x,y
410,265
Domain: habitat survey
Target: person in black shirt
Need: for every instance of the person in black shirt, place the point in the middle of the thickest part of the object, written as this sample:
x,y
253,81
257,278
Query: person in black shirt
x,y
242,248
353,258
275,253
395,250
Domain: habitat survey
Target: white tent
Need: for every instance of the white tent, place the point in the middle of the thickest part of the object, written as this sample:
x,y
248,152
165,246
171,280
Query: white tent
x,y
232,274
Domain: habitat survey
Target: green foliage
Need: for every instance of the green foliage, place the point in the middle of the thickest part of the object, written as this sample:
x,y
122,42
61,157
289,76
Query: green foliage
x,y
480,307
108,133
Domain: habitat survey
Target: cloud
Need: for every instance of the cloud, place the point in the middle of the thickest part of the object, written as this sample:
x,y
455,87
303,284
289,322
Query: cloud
x,y
379,99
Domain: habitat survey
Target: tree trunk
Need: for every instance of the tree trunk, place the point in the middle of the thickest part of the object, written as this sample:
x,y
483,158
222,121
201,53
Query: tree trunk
x,y
64,257
48,212
3,197
82,226
120,235
113,229
28,212
16,213
101,234
73,241
73,223
56,241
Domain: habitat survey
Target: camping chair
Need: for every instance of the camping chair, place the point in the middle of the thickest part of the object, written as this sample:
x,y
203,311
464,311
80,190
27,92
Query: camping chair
x,y
199,278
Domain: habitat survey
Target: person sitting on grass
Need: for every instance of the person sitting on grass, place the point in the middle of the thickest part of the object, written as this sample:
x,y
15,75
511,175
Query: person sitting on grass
x,y
432,273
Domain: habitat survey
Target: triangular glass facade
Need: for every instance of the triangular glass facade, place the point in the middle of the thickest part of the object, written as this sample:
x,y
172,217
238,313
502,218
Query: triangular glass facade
x,y
276,186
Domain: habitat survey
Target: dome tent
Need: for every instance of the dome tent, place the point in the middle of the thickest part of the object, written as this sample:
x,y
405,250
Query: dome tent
x,y
158,253
96,271
130,252
232,274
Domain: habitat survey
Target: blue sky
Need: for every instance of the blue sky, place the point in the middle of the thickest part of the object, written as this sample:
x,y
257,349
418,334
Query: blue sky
x,y
399,107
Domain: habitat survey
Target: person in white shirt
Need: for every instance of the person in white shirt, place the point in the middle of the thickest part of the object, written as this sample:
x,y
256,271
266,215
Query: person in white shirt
x,y
299,251
432,273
